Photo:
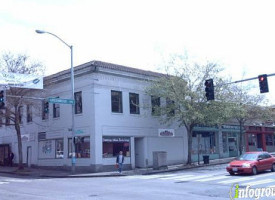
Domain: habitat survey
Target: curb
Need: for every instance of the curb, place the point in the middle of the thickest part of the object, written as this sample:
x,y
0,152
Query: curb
x,y
183,168
114,175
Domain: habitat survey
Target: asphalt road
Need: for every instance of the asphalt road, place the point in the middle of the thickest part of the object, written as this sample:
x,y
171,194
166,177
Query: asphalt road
x,y
195,184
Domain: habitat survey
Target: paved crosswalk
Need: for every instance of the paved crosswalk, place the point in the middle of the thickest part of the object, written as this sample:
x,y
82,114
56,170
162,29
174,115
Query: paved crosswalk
x,y
266,179
10,180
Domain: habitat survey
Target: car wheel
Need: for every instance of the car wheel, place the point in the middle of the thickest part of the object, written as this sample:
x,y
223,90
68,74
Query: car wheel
x,y
231,173
254,170
273,167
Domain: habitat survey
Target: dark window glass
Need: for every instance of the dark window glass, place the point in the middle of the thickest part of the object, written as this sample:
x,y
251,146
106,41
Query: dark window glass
x,y
56,110
29,113
112,149
45,114
7,123
268,140
20,110
134,103
82,147
116,98
59,148
170,106
155,102
78,102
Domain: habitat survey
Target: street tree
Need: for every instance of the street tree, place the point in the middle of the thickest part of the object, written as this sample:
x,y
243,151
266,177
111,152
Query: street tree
x,y
13,112
183,88
248,108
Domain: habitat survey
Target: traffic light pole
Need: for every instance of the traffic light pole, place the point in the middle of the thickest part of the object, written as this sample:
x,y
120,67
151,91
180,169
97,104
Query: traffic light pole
x,y
248,79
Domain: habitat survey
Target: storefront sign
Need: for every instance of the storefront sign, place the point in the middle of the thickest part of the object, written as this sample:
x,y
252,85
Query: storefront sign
x,y
25,137
116,139
166,132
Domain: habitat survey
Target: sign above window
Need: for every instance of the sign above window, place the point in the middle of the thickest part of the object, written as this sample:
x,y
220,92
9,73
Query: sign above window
x,y
166,132
116,139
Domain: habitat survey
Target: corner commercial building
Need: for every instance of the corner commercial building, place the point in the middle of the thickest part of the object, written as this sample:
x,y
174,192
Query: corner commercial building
x,y
112,113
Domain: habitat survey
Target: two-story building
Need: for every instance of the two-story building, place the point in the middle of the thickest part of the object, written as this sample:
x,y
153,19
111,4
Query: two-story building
x,y
112,112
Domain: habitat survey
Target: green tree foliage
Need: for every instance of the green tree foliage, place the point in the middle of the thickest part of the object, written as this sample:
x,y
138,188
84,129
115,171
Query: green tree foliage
x,y
248,109
184,88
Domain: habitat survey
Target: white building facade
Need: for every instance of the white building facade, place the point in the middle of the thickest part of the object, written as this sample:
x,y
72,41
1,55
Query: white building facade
x,y
112,113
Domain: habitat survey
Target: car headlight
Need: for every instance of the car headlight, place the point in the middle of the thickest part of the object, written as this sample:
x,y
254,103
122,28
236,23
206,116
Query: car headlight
x,y
228,165
246,165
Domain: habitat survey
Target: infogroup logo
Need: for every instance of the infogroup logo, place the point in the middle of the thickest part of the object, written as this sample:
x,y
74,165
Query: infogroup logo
x,y
247,192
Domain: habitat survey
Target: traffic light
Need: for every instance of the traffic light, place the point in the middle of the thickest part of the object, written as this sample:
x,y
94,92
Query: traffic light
x,y
2,99
46,107
263,83
209,89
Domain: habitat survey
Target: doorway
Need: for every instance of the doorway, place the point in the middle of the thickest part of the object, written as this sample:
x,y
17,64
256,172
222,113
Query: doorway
x,y
232,147
139,153
259,142
29,156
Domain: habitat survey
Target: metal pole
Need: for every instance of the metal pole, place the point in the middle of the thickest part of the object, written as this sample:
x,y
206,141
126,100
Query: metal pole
x,y
72,88
73,124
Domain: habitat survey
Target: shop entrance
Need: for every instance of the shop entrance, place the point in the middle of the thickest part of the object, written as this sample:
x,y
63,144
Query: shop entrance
x,y
139,152
259,142
29,156
232,147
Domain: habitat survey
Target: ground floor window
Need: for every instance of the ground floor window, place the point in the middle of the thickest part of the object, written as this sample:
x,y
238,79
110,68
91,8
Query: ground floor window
x,y
113,145
204,143
252,139
268,139
51,148
82,147
224,142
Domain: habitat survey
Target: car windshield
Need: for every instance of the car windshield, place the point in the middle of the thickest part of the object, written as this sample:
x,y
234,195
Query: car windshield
x,y
248,156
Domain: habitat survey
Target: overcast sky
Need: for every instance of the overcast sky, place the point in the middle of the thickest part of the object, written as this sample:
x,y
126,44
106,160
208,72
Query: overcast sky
x,y
238,34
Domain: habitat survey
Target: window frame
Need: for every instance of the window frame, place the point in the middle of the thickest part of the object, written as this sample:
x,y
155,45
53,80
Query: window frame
x,y
78,109
20,114
45,115
134,106
29,113
71,143
155,102
56,110
119,101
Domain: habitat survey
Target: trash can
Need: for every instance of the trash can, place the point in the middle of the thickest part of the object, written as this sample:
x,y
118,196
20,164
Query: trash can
x,y
206,159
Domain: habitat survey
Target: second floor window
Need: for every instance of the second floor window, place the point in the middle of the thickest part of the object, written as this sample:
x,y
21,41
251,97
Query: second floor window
x,y
134,103
116,98
56,110
45,110
155,102
170,106
20,112
78,102
29,113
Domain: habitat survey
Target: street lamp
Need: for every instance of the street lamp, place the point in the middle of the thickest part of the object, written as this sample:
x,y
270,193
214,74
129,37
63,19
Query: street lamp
x,y
72,97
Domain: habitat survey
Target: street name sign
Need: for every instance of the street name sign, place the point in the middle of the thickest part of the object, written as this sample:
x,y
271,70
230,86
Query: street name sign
x,y
61,101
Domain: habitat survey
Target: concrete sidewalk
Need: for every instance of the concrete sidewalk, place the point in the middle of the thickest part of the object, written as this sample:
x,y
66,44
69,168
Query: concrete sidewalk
x,y
43,173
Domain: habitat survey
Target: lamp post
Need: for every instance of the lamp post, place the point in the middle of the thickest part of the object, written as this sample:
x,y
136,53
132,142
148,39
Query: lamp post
x,y
72,97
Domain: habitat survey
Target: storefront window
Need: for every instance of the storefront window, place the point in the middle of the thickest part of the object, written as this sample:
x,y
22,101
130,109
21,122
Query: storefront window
x,y
206,143
113,145
48,149
59,148
251,139
82,147
224,142
268,139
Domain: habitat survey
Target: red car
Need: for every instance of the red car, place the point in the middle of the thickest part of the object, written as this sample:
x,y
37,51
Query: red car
x,y
251,163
